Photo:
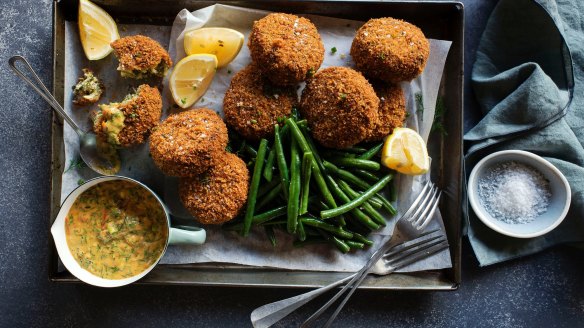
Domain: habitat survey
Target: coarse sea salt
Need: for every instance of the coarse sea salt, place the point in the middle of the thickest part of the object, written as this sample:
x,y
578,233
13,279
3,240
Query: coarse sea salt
x,y
514,193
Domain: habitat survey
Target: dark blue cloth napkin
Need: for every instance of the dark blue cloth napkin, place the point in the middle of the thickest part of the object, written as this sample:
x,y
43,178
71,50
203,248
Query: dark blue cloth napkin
x,y
528,80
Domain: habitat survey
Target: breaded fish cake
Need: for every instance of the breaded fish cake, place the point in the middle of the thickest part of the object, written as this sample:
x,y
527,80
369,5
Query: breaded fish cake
x,y
88,89
252,105
131,121
183,145
286,48
340,107
141,57
390,49
391,112
219,194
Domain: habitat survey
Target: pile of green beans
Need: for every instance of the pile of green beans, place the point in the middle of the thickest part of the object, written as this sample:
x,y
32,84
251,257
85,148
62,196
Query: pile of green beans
x,y
318,195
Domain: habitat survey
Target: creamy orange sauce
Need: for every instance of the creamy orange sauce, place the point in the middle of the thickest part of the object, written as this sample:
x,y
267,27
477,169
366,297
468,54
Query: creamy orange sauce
x,y
116,229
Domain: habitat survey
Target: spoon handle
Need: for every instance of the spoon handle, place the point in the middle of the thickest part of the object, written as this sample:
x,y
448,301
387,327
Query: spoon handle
x,y
42,90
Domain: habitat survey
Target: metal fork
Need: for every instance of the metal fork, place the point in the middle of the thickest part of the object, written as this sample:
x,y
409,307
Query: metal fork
x,y
407,245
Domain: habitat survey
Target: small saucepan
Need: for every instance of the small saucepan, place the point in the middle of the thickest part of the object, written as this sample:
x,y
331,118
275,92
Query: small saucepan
x,y
122,232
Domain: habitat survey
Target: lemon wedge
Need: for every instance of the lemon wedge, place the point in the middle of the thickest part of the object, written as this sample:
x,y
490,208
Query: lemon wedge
x,y
191,77
405,151
97,29
225,43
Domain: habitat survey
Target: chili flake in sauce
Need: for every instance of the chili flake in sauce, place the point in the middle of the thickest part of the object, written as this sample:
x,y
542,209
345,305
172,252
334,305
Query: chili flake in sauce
x,y
116,229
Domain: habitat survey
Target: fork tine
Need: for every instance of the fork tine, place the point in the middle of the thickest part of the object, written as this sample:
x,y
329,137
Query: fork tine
x,y
424,219
417,200
406,253
420,255
424,204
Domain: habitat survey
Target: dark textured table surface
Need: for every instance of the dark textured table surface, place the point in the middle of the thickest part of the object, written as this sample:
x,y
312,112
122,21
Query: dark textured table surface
x,y
543,290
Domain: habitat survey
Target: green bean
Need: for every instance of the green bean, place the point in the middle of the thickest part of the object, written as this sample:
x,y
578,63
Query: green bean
x,y
346,175
253,188
270,196
271,235
301,231
339,220
354,244
294,188
393,191
258,219
358,150
268,215
360,238
357,213
357,201
374,201
371,152
370,177
250,150
305,190
312,147
269,168
357,163
317,171
337,153
284,131
387,205
339,244
267,187
327,227
281,160
367,208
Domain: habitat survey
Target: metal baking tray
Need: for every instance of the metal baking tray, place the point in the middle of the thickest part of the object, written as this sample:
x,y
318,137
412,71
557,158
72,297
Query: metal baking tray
x,y
439,20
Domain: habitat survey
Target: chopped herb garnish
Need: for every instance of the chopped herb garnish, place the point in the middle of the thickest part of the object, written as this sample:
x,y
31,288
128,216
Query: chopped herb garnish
x,y
202,99
254,121
382,56
438,125
183,100
133,115
194,87
342,96
310,73
80,182
419,105
75,164
228,71
333,50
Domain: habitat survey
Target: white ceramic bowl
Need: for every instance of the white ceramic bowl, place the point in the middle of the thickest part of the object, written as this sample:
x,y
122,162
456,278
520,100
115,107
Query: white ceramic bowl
x,y
544,223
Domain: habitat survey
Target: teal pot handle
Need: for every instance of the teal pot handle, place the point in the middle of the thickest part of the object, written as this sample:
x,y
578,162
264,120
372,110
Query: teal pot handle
x,y
186,235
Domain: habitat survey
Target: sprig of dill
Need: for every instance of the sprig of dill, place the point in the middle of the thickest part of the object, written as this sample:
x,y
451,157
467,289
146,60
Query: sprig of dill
x,y
438,125
77,163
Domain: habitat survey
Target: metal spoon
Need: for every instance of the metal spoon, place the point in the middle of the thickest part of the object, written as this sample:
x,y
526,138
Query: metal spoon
x,y
96,156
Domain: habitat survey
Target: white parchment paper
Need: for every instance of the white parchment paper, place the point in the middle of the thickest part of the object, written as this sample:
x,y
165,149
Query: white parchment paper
x,y
229,247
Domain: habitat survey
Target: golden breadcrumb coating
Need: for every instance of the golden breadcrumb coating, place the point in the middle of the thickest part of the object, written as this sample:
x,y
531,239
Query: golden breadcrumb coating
x,y
184,144
219,194
287,48
340,107
141,57
390,49
130,122
391,112
253,105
